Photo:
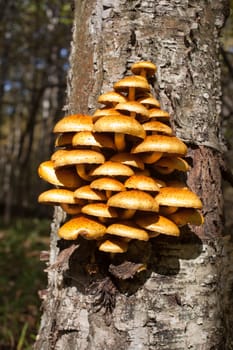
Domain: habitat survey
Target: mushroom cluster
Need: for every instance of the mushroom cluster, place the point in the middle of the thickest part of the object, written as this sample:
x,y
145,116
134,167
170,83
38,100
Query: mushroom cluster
x,y
112,171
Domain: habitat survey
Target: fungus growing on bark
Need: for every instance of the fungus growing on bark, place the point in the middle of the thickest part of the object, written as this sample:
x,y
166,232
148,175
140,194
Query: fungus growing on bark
x,y
120,125
113,245
106,165
131,84
74,123
131,201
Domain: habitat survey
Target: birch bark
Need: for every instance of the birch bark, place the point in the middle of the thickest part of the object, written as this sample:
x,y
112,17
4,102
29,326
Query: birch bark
x,y
183,301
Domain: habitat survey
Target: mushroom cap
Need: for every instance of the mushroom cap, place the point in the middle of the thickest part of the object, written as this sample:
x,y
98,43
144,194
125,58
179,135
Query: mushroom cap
x,y
149,101
127,229
128,159
178,197
107,184
64,139
158,224
133,106
135,81
173,163
133,199
142,182
86,192
65,177
74,122
158,127
187,216
87,138
110,168
87,228
120,124
158,113
56,196
113,245
148,66
161,143
102,210
111,98
102,112
77,156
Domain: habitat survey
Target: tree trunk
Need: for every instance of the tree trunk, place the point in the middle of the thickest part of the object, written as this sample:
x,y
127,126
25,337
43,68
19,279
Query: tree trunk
x,y
183,300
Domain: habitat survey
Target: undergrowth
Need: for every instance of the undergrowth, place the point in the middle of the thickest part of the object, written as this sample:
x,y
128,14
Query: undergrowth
x,y
21,277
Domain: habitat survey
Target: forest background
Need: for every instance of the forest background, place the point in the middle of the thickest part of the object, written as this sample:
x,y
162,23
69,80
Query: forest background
x,y
35,43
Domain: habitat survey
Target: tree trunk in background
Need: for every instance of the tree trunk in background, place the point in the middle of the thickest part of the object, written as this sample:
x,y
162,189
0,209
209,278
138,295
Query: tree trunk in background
x,y
183,301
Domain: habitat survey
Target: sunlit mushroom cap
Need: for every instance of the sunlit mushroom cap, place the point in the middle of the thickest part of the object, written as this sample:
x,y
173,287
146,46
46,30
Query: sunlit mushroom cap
x,y
111,98
158,127
158,224
87,138
86,192
74,122
178,197
77,156
87,228
149,101
148,67
127,229
158,113
59,177
135,81
134,107
142,182
101,210
120,124
113,245
128,159
187,216
171,163
107,184
57,196
133,199
110,168
161,143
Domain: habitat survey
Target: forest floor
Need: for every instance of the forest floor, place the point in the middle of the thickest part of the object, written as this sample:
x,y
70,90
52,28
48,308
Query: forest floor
x,y
21,278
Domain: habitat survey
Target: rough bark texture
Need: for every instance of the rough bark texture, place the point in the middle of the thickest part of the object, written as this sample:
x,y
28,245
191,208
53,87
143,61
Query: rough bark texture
x,y
183,300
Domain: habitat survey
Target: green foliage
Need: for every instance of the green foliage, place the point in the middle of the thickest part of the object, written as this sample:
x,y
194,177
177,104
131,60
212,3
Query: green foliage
x,y
21,277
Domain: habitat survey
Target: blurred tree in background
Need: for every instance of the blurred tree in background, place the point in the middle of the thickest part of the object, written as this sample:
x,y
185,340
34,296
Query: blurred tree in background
x,y
35,38
34,48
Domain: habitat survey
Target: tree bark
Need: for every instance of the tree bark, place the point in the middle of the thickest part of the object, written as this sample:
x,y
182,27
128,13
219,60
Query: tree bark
x,y
183,299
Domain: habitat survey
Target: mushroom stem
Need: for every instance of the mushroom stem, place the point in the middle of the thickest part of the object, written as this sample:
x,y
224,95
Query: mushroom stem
x,y
108,193
133,114
128,213
143,73
80,168
131,95
119,140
